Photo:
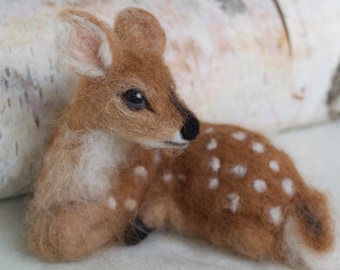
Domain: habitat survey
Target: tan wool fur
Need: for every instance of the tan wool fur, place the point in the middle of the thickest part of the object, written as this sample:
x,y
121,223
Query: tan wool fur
x,y
126,151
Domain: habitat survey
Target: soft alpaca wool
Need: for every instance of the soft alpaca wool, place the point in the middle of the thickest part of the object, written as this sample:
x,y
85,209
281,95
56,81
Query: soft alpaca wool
x,y
100,182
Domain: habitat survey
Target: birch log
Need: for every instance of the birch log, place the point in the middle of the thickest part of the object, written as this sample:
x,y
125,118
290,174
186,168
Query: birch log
x,y
265,64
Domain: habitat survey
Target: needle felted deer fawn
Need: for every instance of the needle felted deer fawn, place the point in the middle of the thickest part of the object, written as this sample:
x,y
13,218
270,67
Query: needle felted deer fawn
x,y
112,170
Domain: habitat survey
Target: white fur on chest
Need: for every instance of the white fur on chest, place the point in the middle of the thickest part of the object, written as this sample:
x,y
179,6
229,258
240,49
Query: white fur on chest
x,y
80,167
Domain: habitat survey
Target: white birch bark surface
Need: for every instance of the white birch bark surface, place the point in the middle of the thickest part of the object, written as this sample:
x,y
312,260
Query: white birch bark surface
x,y
264,64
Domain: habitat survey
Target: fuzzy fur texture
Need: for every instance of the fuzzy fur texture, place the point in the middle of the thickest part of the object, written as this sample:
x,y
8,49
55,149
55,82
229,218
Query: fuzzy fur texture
x,y
229,186
85,165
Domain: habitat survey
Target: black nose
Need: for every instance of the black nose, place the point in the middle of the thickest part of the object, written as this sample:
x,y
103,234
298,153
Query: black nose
x,y
191,128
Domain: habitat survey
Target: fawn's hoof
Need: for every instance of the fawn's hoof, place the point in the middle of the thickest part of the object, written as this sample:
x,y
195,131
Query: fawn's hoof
x,y
136,232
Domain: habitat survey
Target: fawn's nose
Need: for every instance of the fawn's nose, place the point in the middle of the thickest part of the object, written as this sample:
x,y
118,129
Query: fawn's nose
x,y
191,128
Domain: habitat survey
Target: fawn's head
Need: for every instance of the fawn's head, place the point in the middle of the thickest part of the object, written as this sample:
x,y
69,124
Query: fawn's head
x,y
125,87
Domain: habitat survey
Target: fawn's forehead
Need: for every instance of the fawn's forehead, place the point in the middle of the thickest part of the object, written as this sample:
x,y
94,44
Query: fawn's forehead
x,y
148,68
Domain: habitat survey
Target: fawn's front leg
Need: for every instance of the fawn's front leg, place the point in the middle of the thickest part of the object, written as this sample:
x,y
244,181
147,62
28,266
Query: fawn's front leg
x,y
73,230
81,201
76,229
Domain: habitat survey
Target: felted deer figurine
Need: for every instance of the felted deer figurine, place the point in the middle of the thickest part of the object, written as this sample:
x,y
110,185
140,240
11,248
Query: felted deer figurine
x,y
127,157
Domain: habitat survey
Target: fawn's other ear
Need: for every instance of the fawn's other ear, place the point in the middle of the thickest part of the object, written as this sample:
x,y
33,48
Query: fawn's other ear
x,y
140,30
83,43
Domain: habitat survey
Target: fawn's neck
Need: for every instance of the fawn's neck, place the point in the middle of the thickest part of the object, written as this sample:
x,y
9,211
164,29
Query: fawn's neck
x,y
84,163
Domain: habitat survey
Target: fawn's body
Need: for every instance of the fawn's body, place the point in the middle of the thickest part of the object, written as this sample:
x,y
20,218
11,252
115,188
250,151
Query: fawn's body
x,y
100,184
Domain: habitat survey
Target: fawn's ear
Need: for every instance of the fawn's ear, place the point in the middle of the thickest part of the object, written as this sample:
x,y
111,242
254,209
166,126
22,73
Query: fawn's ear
x,y
83,43
140,30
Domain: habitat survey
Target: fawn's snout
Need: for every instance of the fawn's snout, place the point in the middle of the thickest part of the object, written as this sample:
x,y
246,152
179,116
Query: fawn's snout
x,y
187,133
190,129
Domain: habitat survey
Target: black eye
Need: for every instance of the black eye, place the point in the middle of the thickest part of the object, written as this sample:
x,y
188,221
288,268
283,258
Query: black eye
x,y
135,99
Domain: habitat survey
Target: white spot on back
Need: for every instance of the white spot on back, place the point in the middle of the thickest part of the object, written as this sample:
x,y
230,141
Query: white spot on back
x,y
215,164
157,158
182,177
239,171
239,135
212,144
234,202
275,215
287,185
140,171
112,202
209,130
213,183
130,204
260,186
258,147
274,165
167,177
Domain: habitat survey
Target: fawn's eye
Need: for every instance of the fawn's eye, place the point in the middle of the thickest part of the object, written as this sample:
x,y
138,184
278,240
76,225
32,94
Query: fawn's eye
x,y
135,99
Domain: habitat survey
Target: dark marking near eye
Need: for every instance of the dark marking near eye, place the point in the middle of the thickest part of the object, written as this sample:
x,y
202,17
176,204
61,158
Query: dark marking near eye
x,y
190,128
183,110
313,224
149,108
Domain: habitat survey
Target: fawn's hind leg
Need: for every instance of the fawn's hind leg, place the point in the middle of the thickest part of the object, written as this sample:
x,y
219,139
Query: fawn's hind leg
x,y
247,237
75,230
